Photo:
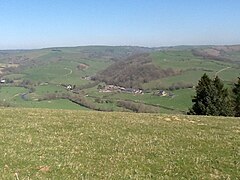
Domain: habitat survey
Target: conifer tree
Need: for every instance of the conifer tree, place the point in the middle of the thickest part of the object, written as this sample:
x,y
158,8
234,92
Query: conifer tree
x,y
236,98
211,98
221,99
203,98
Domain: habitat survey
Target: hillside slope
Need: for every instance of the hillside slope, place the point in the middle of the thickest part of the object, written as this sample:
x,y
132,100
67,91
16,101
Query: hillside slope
x,y
134,71
173,67
39,78
221,53
54,144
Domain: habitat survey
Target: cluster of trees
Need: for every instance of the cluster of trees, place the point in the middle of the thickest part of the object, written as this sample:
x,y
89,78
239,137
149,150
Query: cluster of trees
x,y
210,54
81,100
75,98
134,71
179,85
212,98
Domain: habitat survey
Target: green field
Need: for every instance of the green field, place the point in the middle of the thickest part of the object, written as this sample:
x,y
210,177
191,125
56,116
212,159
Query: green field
x,y
192,68
180,101
54,104
57,144
49,88
64,71
43,72
12,95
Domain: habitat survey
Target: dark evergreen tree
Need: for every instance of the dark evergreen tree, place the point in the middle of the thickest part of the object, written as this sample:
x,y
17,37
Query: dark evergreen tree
x,y
236,98
211,98
203,98
221,99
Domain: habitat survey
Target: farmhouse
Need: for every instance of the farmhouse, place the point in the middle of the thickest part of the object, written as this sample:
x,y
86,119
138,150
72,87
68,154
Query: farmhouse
x,y
162,93
69,87
2,81
131,90
88,78
113,88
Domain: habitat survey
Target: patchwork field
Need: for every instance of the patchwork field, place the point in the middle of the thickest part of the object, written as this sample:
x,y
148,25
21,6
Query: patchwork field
x,y
192,68
57,144
39,78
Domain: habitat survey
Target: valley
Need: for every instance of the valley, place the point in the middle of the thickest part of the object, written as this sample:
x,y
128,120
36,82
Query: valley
x,y
75,78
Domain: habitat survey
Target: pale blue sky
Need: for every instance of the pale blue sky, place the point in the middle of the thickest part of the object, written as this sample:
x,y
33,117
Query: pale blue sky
x,y
48,23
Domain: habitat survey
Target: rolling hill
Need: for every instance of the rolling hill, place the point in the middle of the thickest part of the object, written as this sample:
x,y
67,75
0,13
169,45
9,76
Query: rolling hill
x,y
78,143
173,65
134,71
39,78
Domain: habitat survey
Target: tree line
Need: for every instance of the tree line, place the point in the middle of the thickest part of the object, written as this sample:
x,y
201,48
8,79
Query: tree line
x,y
213,99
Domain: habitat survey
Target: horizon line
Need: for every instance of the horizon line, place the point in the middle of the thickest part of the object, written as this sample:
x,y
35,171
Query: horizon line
x,y
102,45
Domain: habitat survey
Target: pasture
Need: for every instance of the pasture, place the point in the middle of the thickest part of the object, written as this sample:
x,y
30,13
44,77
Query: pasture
x,y
47,71
191,67
57,144
13,97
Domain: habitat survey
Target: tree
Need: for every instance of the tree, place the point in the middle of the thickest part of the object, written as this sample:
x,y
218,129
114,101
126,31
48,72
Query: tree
x,y
203,98
221,100
236,98
211,98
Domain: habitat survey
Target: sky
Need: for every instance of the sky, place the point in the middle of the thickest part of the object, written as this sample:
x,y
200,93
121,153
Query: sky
x,y
29,24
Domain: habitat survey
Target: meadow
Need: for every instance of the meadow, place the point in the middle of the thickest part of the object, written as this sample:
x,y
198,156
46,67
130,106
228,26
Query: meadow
x,y
192,68
63,144
13,97
178,103
39,73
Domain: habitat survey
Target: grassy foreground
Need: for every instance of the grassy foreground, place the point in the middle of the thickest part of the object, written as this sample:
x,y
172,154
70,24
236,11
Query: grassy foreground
x,y
57,144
